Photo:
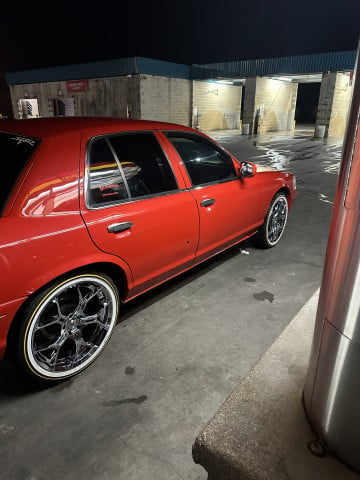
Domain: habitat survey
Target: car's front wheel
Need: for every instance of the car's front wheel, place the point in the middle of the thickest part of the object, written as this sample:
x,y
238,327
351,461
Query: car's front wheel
x,y
67,325
274,224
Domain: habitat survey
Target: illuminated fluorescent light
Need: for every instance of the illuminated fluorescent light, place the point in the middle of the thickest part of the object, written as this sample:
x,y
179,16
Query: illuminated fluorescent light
x,y
283,79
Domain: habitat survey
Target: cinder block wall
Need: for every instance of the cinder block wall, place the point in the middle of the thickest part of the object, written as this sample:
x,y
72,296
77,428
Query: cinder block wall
x,y
326,100
114,96
341,105
165,99
41,91
216,106
275,103
110,97
334,103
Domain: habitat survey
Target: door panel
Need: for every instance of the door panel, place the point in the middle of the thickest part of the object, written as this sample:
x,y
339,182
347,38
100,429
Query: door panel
x,y
233,214
160,240
228,206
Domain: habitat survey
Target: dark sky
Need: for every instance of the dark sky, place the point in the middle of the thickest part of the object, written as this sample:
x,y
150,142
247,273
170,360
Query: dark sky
x,y
187,31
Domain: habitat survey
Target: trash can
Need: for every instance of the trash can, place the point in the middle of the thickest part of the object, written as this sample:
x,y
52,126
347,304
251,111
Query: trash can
x,y
320,131
332,388
246,129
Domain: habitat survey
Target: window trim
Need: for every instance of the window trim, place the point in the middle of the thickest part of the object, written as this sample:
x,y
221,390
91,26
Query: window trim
x,y
215,182
112,149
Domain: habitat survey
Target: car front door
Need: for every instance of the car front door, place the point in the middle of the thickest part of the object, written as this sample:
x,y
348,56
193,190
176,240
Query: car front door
x,y
228,206
136,207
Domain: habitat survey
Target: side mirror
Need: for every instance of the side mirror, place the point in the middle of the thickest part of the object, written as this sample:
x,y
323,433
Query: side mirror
x,y
247,170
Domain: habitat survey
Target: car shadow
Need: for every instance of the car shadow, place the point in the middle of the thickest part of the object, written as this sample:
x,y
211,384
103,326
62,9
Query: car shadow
x,y
11,381
152,296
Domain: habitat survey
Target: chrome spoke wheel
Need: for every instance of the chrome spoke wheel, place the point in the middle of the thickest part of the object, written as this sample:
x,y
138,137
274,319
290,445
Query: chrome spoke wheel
x,y
276,219
70,326
274,224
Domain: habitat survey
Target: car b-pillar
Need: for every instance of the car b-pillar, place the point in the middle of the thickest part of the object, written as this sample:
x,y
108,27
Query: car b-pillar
x,y
332,387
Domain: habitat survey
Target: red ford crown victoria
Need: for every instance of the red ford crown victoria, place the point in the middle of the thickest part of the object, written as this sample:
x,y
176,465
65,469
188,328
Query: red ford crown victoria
x,y
95,211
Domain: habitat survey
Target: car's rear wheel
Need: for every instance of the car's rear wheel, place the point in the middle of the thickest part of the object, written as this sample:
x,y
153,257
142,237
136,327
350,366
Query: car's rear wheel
x,y
274,224
67,325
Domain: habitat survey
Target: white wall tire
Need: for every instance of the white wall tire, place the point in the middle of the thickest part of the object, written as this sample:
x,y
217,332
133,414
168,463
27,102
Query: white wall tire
x,y
274,224
67,326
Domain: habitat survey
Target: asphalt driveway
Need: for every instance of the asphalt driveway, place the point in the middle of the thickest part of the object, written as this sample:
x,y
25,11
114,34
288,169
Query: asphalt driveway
x,y
179,350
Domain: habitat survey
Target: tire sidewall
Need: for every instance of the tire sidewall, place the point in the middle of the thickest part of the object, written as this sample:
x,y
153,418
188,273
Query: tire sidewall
x,y
27,361
276,199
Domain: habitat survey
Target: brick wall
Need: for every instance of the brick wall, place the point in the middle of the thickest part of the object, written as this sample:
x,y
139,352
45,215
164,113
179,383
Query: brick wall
x,y
275,102
31,90
334,103
341,105
165,99
110,97
269,105
114,96
326,99
216,106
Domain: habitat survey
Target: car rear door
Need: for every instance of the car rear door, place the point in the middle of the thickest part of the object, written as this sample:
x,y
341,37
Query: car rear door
x,y
136,207
228,206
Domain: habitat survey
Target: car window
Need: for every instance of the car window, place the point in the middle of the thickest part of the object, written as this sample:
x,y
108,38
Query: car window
x,y
204,161
127,166
15,150
145,166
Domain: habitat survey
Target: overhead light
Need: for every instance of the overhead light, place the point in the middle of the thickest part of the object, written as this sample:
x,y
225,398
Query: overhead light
x,y
283,79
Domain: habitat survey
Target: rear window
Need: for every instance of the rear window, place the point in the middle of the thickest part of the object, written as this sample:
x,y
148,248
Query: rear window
x,y
15,150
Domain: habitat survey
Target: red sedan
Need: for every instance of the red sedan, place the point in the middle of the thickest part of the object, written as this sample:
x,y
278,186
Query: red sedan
x,y
95,211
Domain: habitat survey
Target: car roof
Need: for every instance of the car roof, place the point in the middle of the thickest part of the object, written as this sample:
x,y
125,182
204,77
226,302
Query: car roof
x,y
53,126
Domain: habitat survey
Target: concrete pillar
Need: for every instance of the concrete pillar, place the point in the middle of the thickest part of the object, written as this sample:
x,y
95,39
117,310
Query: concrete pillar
x,y
334,104
269,105
248,116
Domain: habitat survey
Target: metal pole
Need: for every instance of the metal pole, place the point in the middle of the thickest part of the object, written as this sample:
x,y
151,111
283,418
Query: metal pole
x,y
332,387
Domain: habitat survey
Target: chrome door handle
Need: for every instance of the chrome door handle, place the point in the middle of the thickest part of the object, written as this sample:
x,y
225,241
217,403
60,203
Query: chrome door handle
x,y
207,202
119,227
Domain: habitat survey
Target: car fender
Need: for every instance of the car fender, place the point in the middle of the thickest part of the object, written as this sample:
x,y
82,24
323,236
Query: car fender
x,y
40,264
94,259
268,189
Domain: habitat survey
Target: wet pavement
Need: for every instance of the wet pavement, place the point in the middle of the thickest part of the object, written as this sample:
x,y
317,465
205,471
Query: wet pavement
x,y
295,154
180,350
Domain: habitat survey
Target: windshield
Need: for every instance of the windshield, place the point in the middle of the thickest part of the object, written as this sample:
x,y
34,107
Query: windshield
x,y
15,150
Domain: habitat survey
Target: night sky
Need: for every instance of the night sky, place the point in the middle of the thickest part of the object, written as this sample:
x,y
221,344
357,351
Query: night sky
x,y
188,31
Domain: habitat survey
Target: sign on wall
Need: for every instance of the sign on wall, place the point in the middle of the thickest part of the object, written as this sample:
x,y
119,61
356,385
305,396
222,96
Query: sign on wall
x,y
74,86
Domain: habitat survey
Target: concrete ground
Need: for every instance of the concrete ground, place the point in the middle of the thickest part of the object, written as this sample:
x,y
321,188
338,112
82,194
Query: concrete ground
x,y
261,431
179,351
